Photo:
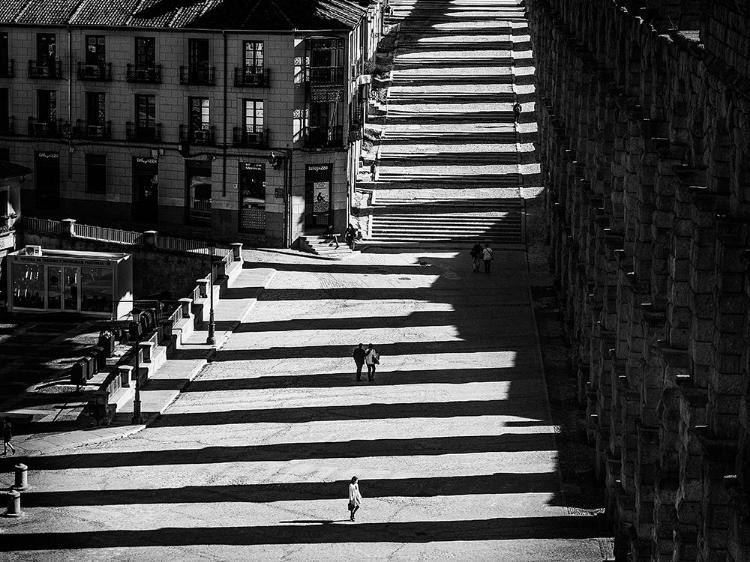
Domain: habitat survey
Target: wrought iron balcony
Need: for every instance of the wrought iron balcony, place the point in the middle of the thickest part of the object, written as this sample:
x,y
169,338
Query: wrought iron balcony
x,y
324,137
143,133
204,76
51,128
325,75
252,77
95,71
85,130
249,138
205,136
8,71
145,74
8,127
52,69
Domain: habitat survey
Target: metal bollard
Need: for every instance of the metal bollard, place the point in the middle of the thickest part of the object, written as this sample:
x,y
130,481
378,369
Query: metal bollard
x,y
14,504
22,483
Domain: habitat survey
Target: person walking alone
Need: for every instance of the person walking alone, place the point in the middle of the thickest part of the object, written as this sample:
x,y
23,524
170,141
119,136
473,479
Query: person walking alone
x,y
476,255
372,358
355,498
517,112
487,257
359,360
7,436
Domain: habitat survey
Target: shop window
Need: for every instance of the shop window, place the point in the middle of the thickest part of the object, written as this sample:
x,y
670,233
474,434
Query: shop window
x,y
28,285
96,173
198,175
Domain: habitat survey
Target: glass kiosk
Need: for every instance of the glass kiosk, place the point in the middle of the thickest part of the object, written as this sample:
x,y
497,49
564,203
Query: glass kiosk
x,y
96,284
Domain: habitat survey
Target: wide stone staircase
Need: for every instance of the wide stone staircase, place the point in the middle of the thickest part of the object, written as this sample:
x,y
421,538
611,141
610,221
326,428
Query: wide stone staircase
x,y
451,159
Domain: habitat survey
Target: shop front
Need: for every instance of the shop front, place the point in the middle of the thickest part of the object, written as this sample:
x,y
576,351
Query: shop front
x,y
88,283
318,194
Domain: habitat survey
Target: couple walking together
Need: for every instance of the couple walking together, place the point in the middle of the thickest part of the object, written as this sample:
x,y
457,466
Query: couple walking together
x,y
479,254
369,357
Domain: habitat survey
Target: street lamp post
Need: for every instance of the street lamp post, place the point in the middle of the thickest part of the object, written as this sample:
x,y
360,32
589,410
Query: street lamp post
x,y
135,332
211,340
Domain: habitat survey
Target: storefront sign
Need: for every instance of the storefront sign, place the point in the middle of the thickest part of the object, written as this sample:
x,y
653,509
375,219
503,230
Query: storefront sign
x,y
69,261
49,155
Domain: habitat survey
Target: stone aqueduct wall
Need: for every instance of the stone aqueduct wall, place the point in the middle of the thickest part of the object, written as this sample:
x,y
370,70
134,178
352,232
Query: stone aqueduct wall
x,y
644,116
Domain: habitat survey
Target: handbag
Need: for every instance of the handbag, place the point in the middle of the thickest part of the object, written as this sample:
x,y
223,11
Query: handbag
x,y
350,506
376,360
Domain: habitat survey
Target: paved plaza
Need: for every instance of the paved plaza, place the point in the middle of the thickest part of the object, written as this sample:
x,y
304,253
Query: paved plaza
x,y
452,442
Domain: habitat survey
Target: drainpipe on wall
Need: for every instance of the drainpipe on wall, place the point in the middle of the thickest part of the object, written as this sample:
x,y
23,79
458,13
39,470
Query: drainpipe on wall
x,y
70,103
224,144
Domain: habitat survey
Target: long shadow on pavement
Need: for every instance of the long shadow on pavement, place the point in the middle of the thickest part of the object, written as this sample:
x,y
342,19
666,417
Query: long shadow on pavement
x,y
427,446
495,529
498,483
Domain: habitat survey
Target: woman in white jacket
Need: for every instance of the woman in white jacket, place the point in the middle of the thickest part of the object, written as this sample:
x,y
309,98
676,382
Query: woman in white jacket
x,y
355,499
372,358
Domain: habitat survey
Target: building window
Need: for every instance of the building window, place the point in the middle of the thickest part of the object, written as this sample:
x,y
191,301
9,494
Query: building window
x,y
6,65
145,111
145,68
253,59
5,126
46,49
324,128
199,114
326,58
95,108
4,154
96,173
46,104
198,70
253,115
145,53
95,50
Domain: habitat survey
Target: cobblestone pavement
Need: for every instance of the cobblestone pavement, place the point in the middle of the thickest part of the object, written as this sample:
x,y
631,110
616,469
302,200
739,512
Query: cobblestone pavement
x,y
452,442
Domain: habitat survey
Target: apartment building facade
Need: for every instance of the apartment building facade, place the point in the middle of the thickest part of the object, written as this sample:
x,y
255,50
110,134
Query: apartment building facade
x,y
217,119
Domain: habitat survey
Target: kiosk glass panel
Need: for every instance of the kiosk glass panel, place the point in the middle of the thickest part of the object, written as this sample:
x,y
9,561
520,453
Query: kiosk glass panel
x,y
54,292
28,285
71,292
97,285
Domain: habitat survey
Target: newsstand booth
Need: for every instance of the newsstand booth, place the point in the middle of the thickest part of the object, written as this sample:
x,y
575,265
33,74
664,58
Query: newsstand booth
x,y
98,284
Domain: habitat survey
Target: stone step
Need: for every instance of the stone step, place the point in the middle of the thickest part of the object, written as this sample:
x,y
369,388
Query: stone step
x,y
452,203
447,159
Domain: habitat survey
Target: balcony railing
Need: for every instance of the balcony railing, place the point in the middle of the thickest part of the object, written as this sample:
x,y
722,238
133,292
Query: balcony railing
x,y
95,71
247,138
8,71
51,69
143,133
326,75
205,136
85,130
147,74
52,128
204,76
8,127
324,137
252,77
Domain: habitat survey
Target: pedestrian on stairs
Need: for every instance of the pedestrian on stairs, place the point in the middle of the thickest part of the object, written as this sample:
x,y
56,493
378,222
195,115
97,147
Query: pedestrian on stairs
x,y
476,255
487,257
359,360
517,111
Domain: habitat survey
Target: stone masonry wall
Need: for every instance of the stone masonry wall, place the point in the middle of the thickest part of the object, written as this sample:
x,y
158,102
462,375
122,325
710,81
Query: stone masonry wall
x,y
644,116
